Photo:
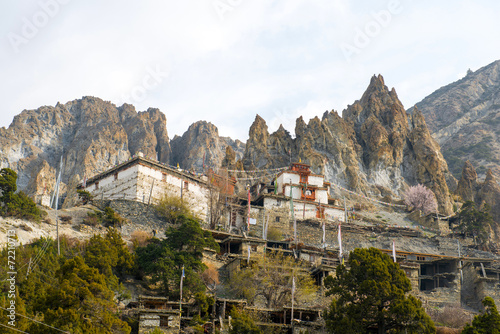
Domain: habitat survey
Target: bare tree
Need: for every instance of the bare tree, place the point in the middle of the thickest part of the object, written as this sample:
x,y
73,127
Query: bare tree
x,y
220,187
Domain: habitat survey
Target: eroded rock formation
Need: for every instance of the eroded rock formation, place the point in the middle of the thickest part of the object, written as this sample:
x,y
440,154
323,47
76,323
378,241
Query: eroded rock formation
x,y
374,148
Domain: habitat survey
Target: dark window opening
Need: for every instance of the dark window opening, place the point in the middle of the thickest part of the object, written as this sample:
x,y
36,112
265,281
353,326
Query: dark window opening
x,y
234,248
233,218
163,321
426,285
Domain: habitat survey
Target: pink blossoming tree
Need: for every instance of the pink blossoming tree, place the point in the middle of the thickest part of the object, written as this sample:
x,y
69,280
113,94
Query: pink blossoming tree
x,y
421,198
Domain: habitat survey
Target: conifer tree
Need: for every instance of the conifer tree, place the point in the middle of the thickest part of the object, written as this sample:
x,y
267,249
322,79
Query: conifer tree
x,y
370,296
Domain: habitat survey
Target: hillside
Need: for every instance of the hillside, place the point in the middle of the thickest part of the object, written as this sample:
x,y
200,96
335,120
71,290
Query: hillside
x,y
464,118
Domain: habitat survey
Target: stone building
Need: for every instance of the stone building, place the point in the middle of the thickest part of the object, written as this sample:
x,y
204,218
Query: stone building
x,y
158,313
148,181
296,193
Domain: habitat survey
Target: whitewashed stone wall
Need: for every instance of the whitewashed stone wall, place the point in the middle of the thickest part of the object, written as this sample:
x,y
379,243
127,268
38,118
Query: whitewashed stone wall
x,y
322,196
296,191
315,180
331,213
121,186
286,178
149,185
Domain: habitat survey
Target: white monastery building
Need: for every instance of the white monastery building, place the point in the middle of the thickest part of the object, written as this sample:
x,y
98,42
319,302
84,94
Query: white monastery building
x,y
148,181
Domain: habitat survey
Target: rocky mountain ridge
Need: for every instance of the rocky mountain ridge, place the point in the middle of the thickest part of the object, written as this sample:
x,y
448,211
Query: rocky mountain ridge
x,y
464,118
375,148
89,134
201,146
486,192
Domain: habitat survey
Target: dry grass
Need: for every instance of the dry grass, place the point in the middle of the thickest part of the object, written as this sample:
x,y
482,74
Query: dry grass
x,y
452,316
25,227
140,238
66,219
447,330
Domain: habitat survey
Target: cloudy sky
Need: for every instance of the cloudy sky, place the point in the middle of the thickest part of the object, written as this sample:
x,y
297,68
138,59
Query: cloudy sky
x,y
225,61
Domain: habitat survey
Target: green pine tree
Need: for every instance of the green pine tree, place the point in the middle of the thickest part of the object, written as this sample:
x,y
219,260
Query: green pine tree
x,y
486,323
370,296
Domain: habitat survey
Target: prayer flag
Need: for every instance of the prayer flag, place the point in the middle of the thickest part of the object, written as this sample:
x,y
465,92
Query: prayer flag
x,y
394,251
324,234
341,255
248,221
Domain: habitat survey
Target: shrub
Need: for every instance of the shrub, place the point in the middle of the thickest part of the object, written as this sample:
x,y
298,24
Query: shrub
x,y
487,322
140,238
25,227
108,218
274,234
84,196
65,219
243,323
421,198
16,204
172,207
91,220
451,316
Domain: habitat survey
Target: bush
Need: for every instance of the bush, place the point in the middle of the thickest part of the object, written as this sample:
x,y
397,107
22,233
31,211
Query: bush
x,y
421,198
108,218
488,322
140,238
66,219
91,220
451,316
274,234
84,196
242,323
25,227
172,207
16,204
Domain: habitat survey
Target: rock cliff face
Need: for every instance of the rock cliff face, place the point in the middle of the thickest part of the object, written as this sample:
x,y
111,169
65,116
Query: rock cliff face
x,y
487,192
374,148
90,134
200,141
464,118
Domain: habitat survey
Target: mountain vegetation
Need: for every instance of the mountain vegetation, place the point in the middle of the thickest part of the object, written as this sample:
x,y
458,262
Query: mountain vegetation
x,y
78,291
474,221
269,280
15,203
371,296
420,198
486,323
164,261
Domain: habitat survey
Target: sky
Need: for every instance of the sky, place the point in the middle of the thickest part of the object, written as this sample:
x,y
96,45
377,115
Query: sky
x,y
224,61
